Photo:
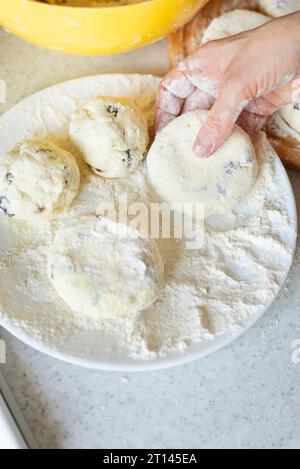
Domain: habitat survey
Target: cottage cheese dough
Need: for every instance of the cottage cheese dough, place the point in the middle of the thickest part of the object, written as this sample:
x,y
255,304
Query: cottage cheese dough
x,y
277,8
234,22
103,269
219,182
36,179
112,135
291,114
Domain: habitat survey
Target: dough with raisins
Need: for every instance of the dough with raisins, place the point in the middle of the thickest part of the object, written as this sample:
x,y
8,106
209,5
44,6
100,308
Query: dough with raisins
x,y
291,114
233,22
37,178
104,269
218,183
112,135
277,8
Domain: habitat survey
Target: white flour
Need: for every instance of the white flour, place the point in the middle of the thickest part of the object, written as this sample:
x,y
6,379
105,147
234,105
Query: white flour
x,y
218,289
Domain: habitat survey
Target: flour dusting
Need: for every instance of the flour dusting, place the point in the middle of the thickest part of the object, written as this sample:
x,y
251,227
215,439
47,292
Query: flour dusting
x,y
216,290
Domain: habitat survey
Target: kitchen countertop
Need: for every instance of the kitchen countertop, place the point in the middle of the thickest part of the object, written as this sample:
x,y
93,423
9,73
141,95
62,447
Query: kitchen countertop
x,y
245,396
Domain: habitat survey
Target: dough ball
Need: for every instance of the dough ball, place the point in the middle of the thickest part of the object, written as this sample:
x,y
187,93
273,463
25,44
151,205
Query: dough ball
x,y
277,8
37,178
234,22
103,269
291,114
219,182
112,135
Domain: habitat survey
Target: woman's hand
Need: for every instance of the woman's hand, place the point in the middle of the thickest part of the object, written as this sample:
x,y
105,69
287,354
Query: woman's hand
x,y
242,78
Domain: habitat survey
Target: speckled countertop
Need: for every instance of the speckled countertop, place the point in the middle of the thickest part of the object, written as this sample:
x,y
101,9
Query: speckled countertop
x,y
245,396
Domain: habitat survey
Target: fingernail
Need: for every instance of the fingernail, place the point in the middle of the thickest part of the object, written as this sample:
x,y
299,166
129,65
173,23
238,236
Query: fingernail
x,y
203,149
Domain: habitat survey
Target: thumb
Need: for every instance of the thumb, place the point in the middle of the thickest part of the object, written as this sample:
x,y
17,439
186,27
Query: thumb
x,y
219,122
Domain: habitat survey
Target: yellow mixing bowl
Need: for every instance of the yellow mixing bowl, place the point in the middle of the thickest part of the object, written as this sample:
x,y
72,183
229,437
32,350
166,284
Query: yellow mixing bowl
x,y
104,30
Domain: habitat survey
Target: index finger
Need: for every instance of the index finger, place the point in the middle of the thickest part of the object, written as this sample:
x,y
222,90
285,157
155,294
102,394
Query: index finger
x,y
174,89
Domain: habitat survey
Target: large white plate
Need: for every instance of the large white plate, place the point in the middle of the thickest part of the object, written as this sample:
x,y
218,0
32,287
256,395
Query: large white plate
x,y
36,114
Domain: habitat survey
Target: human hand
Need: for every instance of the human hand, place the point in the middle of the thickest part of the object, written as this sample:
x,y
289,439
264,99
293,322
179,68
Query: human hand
x,y
243,78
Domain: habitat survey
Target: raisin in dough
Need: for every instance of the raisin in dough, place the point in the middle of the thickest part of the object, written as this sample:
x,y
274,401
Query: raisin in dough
x,y
37,178
112,135
104,269
291,114
234,22
277,8
219,182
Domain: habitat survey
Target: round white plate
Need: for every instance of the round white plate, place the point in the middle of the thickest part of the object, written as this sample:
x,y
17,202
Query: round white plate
x,y
48,111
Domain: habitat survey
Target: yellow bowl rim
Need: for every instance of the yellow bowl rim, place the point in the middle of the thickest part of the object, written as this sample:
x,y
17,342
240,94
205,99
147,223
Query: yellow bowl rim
x,y
37,4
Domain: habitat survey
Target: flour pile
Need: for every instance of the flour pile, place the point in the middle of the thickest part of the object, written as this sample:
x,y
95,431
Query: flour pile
x,y
218,289
207,292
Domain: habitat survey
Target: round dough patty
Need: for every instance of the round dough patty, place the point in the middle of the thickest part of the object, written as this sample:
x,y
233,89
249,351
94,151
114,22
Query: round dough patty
x,y
219,182
233,22
277,8
104,269
37,178
291,114
112,135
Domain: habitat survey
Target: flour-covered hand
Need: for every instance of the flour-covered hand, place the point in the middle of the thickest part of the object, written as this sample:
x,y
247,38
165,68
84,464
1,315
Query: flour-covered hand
x,y
243,78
